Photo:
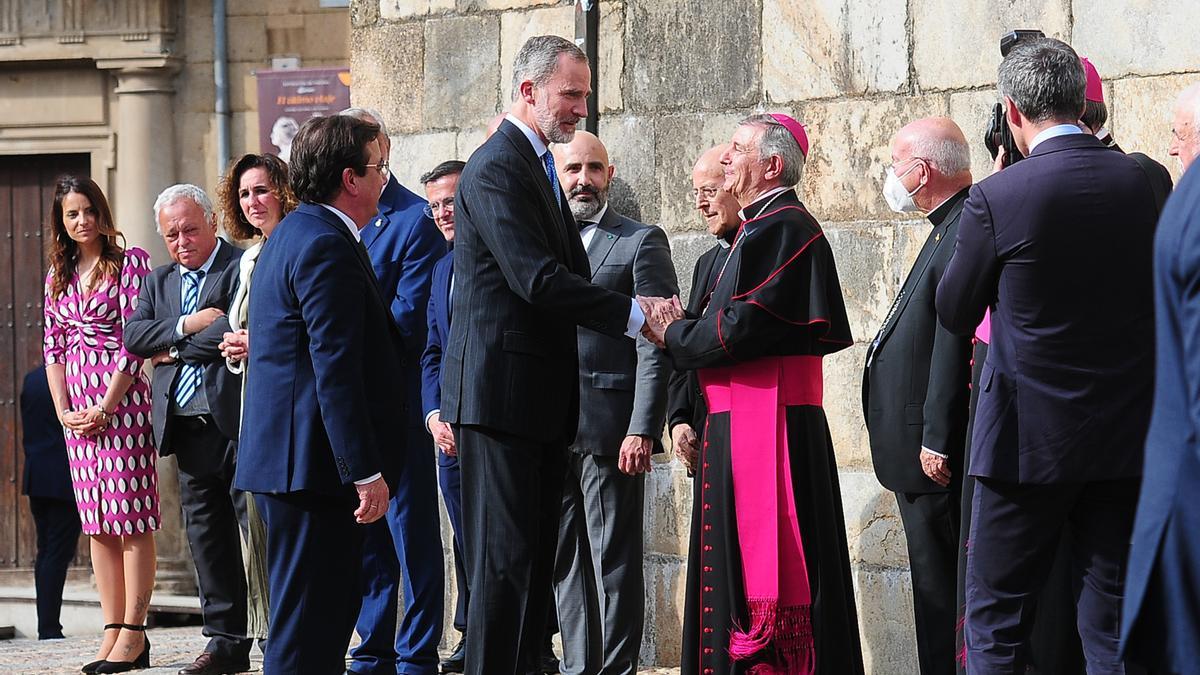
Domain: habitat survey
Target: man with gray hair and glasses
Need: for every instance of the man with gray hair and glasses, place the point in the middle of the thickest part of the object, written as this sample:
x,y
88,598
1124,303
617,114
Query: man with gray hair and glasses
x,y
769,584
1059,246
404,546
510,371
1185,126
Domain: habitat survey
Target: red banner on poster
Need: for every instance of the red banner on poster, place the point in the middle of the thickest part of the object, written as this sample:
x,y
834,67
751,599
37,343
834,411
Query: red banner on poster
x,y
286,98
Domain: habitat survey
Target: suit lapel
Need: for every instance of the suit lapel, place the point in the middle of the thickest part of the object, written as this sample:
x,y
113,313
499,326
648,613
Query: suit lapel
x,y
371,232
936,238
173,290
211,279
608,231
538,169
326,216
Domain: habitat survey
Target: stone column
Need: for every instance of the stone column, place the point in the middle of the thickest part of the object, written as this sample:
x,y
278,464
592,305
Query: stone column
x,y
145,145
145,127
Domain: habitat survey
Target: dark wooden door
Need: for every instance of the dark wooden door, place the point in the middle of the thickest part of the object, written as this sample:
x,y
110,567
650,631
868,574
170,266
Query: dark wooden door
x,y
26,195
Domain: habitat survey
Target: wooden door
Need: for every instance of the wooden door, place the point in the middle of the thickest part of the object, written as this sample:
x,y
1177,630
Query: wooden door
x,y
26,196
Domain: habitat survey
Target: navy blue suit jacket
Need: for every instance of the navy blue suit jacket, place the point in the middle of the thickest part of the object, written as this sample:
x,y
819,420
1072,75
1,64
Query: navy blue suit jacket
x,y
438,320
404,245
320,383
46,473
1059,245
1164,544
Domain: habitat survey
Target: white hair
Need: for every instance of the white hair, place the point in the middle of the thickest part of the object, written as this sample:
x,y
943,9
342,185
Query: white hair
x,y
948,155
178,192
1189,102
363,113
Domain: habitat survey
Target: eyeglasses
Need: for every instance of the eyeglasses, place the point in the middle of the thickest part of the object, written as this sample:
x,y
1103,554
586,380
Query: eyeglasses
x,y
435,208
383,167
707,192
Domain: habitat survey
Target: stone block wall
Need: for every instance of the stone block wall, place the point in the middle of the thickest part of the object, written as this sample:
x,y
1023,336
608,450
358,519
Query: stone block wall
x,y
676,76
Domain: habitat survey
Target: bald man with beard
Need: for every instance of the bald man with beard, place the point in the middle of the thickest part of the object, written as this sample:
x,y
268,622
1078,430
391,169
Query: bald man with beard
x,y
915,385
622,407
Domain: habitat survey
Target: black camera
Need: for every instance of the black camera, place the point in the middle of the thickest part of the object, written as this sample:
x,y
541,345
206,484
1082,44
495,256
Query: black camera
x,y
998,135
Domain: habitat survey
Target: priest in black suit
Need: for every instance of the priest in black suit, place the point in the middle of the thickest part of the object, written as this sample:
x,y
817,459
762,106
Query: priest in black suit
x,y
685,401
916,384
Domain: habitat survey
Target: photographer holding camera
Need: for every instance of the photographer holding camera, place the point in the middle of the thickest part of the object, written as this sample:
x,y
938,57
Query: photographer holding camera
x,y
1059,246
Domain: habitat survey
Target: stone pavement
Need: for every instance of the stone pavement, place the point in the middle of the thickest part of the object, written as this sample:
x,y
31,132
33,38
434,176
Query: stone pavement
x,y
170,650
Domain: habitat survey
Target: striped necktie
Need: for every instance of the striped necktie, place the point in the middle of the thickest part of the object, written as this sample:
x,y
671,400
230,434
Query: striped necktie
x,y
189,373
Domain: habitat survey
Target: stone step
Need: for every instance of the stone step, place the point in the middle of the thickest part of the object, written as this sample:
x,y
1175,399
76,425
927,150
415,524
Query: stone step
x,y
81,610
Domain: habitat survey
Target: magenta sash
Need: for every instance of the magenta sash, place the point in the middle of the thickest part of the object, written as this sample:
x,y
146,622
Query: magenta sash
x,y
778,595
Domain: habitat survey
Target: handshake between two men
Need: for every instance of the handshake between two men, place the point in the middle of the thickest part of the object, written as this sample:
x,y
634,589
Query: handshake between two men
x,y
660,313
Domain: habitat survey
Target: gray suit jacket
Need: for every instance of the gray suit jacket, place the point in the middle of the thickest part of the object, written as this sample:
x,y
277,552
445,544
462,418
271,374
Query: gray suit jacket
x,y
151,329
623,383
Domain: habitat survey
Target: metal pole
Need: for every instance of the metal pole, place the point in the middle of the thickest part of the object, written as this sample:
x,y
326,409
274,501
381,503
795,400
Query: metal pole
x,y
221,82
587,37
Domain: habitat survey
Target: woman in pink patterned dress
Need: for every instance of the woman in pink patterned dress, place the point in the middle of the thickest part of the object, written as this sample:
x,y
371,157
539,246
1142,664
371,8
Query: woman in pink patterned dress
x,y
103,401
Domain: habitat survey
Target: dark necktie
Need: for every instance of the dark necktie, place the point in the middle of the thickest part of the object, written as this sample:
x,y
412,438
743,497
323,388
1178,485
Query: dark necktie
x,y
552,175
583,224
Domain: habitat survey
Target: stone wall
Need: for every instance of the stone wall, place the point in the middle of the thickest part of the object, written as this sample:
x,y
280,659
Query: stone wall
x,y
676,76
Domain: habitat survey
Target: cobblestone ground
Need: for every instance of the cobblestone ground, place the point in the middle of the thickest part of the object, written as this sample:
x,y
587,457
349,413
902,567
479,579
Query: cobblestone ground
x,y
171,649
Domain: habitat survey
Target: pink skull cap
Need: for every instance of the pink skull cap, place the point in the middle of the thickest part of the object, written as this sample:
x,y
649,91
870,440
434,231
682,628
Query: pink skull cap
x,y
796,129
1094,91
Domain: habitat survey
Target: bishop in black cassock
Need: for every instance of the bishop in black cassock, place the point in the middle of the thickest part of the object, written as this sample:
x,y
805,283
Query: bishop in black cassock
x,y
769,584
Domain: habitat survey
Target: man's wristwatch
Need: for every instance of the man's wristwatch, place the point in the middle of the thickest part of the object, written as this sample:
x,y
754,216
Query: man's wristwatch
x,y
173,352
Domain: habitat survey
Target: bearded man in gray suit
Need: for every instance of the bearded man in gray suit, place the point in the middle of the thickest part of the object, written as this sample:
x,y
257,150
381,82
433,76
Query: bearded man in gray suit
x,y
622,406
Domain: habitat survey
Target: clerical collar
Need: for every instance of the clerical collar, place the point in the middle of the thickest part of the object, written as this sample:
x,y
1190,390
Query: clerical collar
x,y
938,215
769,196
539,146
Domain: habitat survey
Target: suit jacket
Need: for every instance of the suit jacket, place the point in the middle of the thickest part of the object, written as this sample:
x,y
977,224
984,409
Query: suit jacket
x,y
1060,246
685,400
520,290
916,383
437,318
404,244
323,367
151,329
623,382
1164,546
47,472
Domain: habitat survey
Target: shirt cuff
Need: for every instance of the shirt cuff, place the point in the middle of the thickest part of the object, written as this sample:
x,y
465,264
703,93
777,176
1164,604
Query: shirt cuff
x,y
431,413
636,320
934,452
179,334
369,479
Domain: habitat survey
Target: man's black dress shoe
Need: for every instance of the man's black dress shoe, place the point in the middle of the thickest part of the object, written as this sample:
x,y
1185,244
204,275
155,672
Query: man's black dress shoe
x,y
457,661
210,664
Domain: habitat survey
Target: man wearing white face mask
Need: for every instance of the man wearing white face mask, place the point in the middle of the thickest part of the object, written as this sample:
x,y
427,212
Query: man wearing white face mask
x,y
915,386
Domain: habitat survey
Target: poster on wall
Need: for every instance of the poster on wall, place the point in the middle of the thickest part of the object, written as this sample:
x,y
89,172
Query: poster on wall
x,y
286,98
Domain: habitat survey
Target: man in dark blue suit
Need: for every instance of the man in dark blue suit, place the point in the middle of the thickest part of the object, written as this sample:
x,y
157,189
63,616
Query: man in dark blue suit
x,y
320,446
440,183
403,245
47,483
1059,246
1160,617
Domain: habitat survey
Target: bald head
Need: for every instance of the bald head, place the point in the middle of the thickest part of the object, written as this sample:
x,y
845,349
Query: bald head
x,y
1185,126
584,172
718,208
934,159
494,124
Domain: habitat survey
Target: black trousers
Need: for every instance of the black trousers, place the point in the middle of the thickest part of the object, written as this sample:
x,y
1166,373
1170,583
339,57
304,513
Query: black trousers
x,y
1015,535
57,525
512,496
212,513
931,526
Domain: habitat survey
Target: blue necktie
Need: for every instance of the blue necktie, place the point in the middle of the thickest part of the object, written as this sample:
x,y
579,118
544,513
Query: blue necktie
x,y
189,374
548,160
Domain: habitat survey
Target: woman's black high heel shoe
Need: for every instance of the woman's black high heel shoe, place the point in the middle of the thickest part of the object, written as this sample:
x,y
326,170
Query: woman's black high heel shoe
x,y
91,667
140,663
